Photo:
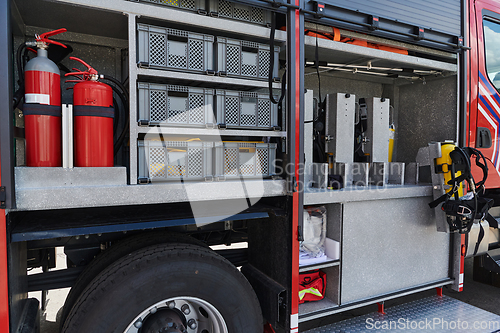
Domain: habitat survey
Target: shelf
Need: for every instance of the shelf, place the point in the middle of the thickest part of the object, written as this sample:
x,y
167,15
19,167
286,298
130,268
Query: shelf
x,y
343,53
313,307
208,131
53,11
326,264
59,197
314,196
175,76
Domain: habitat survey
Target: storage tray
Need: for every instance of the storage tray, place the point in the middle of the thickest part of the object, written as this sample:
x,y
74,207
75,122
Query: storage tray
x,y
171,105
240,12
175,160
193,5
244,159
245,59
248,110
165,48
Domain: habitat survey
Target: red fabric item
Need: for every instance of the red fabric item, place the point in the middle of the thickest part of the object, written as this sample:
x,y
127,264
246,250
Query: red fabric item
x,y
312,286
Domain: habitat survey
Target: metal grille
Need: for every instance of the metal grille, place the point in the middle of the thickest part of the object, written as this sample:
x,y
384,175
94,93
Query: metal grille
x,y
156,163
195,162
170,2
157,105
157,49
248,120
225,8
196,110
241,13
188,4
231,161
264,113
176,114
262,162
233,59
195,54
257,15
232,110
177,54
264,63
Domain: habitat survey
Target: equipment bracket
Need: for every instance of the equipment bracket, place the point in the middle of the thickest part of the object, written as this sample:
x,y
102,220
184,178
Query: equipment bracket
x,y
3,197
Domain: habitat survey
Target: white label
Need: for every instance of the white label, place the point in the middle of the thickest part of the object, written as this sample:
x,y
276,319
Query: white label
x,y
37,98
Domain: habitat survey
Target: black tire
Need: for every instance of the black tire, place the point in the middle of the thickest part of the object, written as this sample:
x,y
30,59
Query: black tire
x,y
134,283
115,252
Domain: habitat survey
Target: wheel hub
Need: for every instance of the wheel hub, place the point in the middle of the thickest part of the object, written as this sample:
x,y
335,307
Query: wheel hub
x,y
164,321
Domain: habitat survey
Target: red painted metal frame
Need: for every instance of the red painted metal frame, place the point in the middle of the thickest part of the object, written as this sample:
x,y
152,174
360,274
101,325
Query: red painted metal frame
x,y
483,98
4,274
296,193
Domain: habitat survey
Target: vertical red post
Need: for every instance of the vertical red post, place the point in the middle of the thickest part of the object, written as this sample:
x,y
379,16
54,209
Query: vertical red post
x,y
439,291
4,275
381,308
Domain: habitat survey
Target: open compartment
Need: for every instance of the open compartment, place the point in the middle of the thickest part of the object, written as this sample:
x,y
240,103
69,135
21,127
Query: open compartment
x,y
413,89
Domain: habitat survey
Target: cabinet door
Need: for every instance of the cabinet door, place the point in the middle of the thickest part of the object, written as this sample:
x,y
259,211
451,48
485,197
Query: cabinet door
x,y
389,246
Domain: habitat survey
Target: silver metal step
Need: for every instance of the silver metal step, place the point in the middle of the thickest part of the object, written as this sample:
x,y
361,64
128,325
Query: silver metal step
x,y
432,314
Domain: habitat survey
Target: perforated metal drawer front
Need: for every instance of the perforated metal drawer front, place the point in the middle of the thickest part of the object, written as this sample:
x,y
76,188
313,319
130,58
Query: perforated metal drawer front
x,y
171,105
165,48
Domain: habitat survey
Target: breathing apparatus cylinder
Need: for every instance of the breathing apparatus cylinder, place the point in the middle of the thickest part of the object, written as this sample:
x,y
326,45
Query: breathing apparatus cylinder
x,y
445,163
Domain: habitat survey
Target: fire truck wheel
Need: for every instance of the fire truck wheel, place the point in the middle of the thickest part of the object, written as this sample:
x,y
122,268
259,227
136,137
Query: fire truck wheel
x,y
167,288
115,252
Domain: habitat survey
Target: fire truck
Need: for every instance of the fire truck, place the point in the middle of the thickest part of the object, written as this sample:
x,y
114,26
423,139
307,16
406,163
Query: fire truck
x,y
142,137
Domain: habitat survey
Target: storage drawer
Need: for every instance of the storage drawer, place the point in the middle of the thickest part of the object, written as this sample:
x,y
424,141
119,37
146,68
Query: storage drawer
x,y
240,12
170,105
239,109
175,160
165,48
245,59
244,159
193,5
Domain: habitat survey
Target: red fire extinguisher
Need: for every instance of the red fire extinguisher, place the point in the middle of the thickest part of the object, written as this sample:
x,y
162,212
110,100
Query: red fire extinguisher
x,y
93,119
42,108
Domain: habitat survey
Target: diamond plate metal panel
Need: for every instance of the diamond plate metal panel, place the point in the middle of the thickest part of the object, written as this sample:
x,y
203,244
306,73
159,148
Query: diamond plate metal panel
x,y
433,314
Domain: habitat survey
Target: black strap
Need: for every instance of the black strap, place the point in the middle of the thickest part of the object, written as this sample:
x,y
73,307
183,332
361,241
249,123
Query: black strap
x,y
93,111
32,109
479,239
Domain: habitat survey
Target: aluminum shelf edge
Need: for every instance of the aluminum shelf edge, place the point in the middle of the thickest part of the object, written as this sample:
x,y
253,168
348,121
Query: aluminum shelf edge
x,y
314,196
375,55
207,131
176,75
97,196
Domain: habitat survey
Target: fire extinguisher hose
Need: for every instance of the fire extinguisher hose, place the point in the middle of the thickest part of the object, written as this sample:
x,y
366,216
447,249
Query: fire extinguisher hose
x,y
122,93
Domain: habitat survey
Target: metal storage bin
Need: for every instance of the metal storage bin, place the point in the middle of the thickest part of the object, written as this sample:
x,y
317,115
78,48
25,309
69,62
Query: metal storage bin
x,y
239,12
194,5
175,160
162,104
239,109
244,159
165,48
238,58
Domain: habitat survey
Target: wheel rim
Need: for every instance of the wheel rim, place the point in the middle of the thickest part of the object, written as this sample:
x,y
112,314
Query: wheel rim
x,y
199,315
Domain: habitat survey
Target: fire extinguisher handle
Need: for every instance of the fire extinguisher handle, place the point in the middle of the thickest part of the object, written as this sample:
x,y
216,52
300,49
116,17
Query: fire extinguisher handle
x,y
45,37
89,71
